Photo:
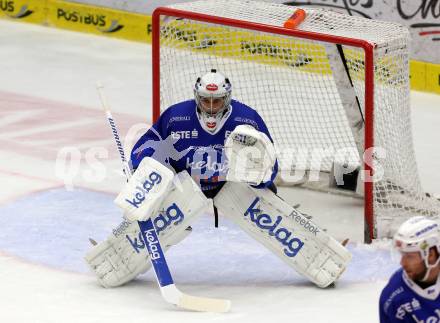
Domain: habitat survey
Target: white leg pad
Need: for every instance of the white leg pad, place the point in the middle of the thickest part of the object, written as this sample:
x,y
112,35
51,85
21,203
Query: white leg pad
x,y
123,256
298,241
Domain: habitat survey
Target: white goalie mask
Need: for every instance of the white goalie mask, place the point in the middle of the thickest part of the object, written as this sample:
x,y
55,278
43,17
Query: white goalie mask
x,y
418,234
212,93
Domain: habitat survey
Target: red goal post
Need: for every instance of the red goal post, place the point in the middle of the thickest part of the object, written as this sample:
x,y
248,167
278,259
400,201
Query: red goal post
x,y
162,15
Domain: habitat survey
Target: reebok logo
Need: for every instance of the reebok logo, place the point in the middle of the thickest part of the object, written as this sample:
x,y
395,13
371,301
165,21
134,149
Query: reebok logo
x,y
121,228
305,223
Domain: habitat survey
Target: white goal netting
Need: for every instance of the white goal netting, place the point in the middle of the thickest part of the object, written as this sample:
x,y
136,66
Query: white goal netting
x,y
298,87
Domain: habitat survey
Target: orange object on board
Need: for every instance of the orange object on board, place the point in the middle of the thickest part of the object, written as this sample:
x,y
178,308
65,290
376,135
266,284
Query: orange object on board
x,y
294,20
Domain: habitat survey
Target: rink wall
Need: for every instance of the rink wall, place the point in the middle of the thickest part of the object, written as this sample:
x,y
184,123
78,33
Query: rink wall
x,y
79,17
131,20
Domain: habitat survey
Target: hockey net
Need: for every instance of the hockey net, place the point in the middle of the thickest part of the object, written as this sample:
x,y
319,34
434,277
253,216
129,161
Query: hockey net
x,y
329,90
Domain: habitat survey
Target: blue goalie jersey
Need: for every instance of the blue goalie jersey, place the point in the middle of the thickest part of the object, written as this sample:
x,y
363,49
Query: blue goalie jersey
x,y
179,141
400,301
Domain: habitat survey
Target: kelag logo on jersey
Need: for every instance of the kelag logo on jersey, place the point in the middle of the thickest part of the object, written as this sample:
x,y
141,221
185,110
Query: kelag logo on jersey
x,y
143,190
274,228
172,215
207,162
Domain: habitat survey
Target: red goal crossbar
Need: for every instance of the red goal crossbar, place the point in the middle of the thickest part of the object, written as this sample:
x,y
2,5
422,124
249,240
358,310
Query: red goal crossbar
x,y
368,48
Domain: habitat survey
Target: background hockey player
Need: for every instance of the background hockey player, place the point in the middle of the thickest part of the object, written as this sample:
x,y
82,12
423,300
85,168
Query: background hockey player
x,y
413,292
219,148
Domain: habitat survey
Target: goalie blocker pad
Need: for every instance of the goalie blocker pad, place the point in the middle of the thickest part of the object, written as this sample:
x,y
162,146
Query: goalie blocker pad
x,y
147,187
123,255
295,239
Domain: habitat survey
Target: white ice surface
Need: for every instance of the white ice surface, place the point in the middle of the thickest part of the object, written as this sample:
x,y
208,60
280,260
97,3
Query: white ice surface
x,y
44,227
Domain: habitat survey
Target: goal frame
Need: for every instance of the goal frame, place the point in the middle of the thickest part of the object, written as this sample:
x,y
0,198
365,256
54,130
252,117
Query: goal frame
x,y
367,47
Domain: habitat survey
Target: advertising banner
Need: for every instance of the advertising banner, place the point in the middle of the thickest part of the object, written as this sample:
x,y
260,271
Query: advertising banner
x,y
23,10
120,24
79,17
131,20
422,17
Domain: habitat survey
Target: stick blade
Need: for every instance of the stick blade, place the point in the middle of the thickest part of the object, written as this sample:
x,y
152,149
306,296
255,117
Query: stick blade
x,y
194,303
203,304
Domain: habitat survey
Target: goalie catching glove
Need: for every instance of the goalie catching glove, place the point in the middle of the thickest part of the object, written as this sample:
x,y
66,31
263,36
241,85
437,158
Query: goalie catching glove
x,y
251,156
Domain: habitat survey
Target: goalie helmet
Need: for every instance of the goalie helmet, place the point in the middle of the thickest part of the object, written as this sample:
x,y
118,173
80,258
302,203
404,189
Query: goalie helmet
x,y
212,93
418,234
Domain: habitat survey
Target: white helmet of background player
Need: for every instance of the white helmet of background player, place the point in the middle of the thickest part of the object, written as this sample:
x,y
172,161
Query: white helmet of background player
x,y
419,234
212,93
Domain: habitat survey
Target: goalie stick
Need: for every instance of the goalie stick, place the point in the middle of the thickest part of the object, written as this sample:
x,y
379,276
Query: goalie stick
x,y
168,289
